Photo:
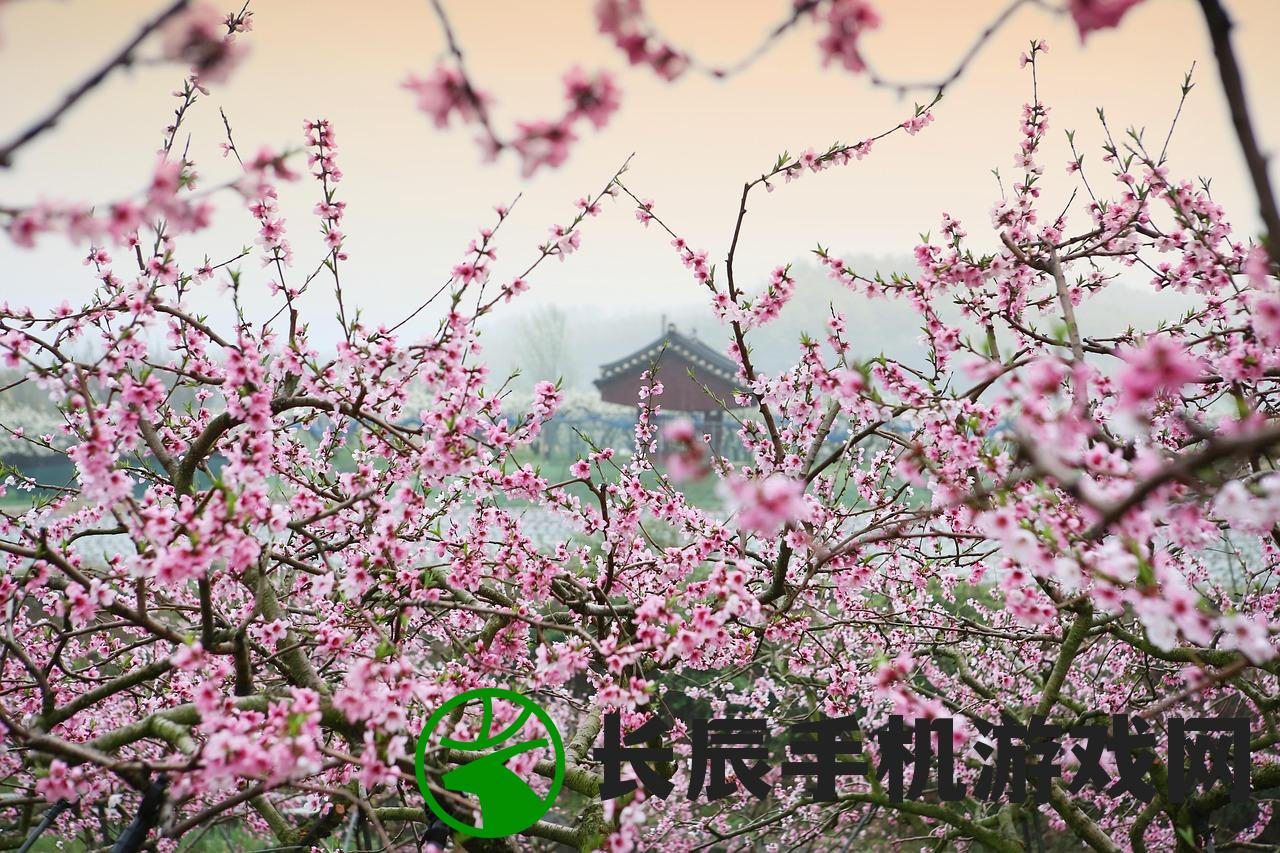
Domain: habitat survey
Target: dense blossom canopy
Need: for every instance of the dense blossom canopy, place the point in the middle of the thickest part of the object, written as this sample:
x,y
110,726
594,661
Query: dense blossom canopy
x,y
274,561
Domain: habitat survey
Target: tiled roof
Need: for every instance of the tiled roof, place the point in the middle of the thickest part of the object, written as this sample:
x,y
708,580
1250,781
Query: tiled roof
x,y
701,357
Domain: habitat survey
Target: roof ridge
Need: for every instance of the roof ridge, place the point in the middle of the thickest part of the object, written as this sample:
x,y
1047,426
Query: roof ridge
x,y
695,350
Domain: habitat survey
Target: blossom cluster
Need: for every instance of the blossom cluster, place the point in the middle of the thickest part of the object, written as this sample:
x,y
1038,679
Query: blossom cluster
x,y
275,559
446,93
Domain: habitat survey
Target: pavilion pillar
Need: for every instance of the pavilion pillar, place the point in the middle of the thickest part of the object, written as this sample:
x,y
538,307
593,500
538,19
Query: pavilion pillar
x,y
713,424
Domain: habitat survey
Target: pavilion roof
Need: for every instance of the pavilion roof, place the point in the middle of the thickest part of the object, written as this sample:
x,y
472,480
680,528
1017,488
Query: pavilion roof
x,y
702,358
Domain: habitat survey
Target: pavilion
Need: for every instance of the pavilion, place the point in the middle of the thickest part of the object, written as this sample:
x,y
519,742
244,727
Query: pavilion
x,y
696,380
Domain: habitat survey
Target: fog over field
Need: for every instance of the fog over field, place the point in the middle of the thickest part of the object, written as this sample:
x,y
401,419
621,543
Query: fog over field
x,y
554,339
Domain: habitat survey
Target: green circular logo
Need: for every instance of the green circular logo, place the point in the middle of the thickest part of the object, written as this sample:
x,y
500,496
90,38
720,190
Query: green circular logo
x,y
507,803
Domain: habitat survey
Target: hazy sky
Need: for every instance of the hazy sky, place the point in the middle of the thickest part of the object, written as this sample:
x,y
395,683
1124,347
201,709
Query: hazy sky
x,y
417,195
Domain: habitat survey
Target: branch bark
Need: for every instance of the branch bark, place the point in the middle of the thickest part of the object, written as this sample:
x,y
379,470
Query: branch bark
x,y
1219,24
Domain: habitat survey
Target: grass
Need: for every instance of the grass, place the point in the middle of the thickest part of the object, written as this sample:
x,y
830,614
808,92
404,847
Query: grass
x,y
555,468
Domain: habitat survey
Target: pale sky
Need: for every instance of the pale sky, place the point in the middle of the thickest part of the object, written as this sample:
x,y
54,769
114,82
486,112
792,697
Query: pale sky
x,y
416,196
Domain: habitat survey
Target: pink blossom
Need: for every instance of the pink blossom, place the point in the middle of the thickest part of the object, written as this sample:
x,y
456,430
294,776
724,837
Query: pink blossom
x,y
1092,15
542,143
846,21
918,123
764,505
514,289
1161,365
199,38
679,430
1257,266
60,783
189,657
849,384
1266,317
444,93
594,98
1249,635
689,459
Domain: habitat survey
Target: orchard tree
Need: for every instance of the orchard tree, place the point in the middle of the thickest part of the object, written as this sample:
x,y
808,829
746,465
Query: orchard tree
x,y
274,562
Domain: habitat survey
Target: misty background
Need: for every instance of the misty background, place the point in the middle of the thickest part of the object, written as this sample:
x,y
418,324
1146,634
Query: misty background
x,y
549,339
